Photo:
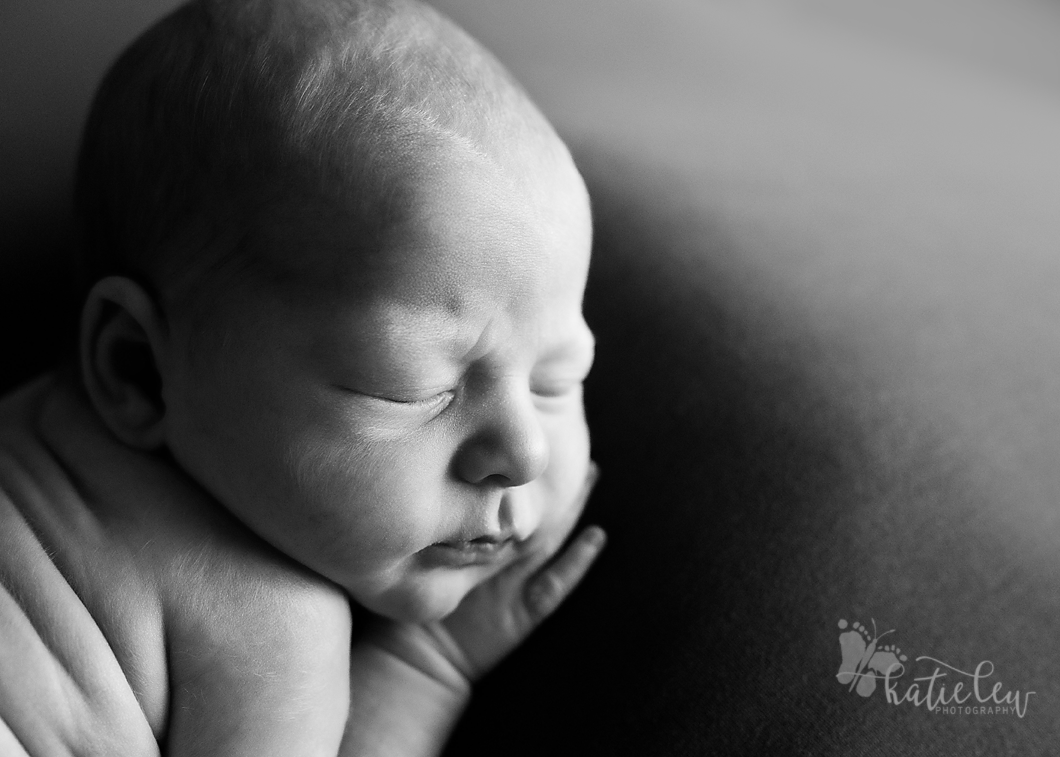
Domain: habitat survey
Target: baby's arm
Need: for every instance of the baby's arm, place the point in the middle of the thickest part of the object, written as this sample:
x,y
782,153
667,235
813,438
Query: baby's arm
x,y
412,682
265,673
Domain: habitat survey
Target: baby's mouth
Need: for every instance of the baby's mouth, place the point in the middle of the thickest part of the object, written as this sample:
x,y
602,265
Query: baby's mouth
x,y
483,550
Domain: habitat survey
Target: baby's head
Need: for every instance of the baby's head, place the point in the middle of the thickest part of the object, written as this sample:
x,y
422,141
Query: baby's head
x,y
339,260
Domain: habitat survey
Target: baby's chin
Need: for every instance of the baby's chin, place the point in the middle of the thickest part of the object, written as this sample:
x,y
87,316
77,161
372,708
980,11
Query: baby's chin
x,y
426,599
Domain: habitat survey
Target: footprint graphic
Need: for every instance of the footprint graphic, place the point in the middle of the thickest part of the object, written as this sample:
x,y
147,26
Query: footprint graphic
x,y
860,656
852,646
888,659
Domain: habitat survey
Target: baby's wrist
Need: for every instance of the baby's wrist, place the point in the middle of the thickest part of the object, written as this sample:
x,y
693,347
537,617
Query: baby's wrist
x,y
427,651
405,699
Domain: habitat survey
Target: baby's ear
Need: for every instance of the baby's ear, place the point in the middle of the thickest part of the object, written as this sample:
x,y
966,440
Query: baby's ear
x,y
122,344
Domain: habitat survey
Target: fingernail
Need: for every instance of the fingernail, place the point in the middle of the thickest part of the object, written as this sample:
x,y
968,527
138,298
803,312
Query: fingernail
x,y
595,537
592,476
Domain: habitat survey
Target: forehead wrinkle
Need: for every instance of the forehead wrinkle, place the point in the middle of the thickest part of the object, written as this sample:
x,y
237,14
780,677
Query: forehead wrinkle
x,y
472,329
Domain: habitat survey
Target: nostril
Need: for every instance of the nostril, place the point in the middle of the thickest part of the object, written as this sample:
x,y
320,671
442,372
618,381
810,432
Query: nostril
x,y
498,479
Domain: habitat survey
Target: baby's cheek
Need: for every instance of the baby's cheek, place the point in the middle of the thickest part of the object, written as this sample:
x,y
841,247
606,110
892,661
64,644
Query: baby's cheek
x,y
568,466
570,447
378,504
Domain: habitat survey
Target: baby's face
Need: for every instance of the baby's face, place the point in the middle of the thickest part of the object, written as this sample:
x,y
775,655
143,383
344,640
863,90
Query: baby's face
x,y
403,423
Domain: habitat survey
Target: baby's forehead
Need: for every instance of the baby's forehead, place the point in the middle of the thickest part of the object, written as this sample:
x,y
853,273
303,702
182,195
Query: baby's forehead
x,y
424,199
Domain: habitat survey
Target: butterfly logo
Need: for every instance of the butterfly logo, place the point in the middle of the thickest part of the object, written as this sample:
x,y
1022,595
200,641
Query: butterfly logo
x,y
864,661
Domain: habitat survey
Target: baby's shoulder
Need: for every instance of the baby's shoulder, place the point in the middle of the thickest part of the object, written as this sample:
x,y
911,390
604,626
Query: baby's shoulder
x,y
80,662
122,583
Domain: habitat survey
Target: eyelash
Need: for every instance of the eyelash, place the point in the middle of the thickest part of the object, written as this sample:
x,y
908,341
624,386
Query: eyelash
x,y
424,404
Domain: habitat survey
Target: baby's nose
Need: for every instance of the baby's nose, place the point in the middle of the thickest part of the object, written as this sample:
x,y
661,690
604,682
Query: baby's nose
x,y
509,446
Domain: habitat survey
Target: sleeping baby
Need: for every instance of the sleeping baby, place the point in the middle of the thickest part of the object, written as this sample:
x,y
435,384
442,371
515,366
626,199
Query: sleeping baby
x,y
315,465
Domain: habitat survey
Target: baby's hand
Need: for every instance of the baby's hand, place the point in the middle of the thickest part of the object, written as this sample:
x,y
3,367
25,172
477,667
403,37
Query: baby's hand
x,y
498,615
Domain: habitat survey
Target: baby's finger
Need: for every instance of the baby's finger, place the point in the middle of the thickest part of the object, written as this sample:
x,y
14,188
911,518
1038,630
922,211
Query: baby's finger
x,y
547,590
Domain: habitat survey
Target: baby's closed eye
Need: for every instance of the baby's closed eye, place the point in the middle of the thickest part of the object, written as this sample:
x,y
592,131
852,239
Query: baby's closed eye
x,y
401,396
555,387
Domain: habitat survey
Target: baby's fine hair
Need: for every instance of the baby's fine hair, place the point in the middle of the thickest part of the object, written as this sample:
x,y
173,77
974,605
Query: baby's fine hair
x,y
227,110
